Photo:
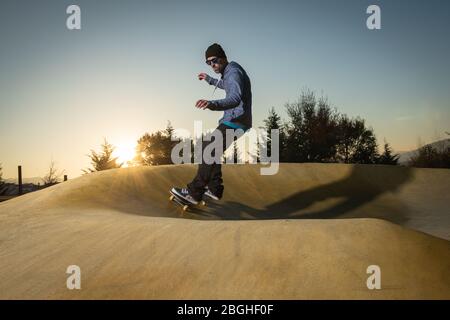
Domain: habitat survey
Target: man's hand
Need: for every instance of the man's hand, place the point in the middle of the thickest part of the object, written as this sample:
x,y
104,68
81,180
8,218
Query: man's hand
x,y
202,76
202,104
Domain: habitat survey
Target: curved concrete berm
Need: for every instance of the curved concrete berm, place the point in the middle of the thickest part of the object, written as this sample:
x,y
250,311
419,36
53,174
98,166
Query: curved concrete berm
x,y
310,231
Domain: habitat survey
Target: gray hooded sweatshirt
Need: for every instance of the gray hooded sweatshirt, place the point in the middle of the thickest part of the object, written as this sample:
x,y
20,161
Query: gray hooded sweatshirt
x,y
237,105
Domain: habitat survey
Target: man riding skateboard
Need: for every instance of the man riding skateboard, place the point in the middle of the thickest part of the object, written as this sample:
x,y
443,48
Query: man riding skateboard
x,y
237,117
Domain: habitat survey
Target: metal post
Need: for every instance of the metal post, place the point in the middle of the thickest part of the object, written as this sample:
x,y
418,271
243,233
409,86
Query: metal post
x,y
20,180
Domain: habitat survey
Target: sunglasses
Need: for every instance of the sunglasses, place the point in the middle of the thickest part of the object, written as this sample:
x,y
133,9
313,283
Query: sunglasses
x,y
210,62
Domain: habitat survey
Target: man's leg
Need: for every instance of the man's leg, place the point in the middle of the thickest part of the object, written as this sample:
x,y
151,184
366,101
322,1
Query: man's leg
x,y
205,171
215,184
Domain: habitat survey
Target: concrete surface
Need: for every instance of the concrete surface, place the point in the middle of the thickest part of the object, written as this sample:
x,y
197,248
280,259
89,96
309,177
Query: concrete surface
x,y
310,231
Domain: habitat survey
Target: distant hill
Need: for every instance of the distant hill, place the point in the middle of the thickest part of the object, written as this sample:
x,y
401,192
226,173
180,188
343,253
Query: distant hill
x,y
437,145
34,180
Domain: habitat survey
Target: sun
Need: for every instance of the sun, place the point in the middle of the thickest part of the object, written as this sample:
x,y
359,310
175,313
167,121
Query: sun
x,y
124,153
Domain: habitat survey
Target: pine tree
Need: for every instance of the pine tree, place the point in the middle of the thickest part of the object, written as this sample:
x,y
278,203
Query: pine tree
x,y
103,160
156,148
170,142
52,177
387,157
273,122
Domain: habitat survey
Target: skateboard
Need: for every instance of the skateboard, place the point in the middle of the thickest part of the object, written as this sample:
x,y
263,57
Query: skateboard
x,y
185,205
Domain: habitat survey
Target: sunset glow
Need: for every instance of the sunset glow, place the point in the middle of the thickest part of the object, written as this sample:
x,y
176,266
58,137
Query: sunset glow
x,y
125,152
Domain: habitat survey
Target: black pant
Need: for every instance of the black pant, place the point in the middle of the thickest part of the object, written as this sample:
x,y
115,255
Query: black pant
x,y
210,175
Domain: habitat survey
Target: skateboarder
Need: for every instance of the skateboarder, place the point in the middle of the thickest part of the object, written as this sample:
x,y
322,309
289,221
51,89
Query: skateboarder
x,y
237,107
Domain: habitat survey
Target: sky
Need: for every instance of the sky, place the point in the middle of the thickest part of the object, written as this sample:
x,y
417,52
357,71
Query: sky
x,y
133,66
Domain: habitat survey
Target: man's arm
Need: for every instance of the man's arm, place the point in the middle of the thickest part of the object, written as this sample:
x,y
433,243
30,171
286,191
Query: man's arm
x,y
212,81
235,84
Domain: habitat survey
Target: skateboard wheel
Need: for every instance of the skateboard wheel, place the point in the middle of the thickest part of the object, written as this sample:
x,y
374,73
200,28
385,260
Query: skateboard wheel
x,y
185,207
171,197
203,203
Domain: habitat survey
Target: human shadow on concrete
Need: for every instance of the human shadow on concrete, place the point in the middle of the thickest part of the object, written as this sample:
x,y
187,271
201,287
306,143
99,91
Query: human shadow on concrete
x,y
360,187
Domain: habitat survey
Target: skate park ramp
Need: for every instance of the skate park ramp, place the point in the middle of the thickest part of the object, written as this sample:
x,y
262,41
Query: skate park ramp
x,y
308,232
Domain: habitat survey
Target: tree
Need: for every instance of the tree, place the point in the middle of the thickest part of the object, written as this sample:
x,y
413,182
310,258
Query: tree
x,y
103,160
52,177
387,157
347,134
156,148
258,150
324,130
273,122
1,174
311,133
356,143
429,157
366,149
294,136
169,145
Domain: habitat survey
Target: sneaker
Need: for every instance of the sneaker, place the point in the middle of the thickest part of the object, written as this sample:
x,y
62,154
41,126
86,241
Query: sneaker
x,y
208,193
184,194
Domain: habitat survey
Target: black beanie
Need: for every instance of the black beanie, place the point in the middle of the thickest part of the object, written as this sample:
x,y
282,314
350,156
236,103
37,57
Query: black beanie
x,y
215,50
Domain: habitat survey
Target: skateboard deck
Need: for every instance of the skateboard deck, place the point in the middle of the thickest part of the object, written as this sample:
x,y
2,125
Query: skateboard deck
x,y
185,205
